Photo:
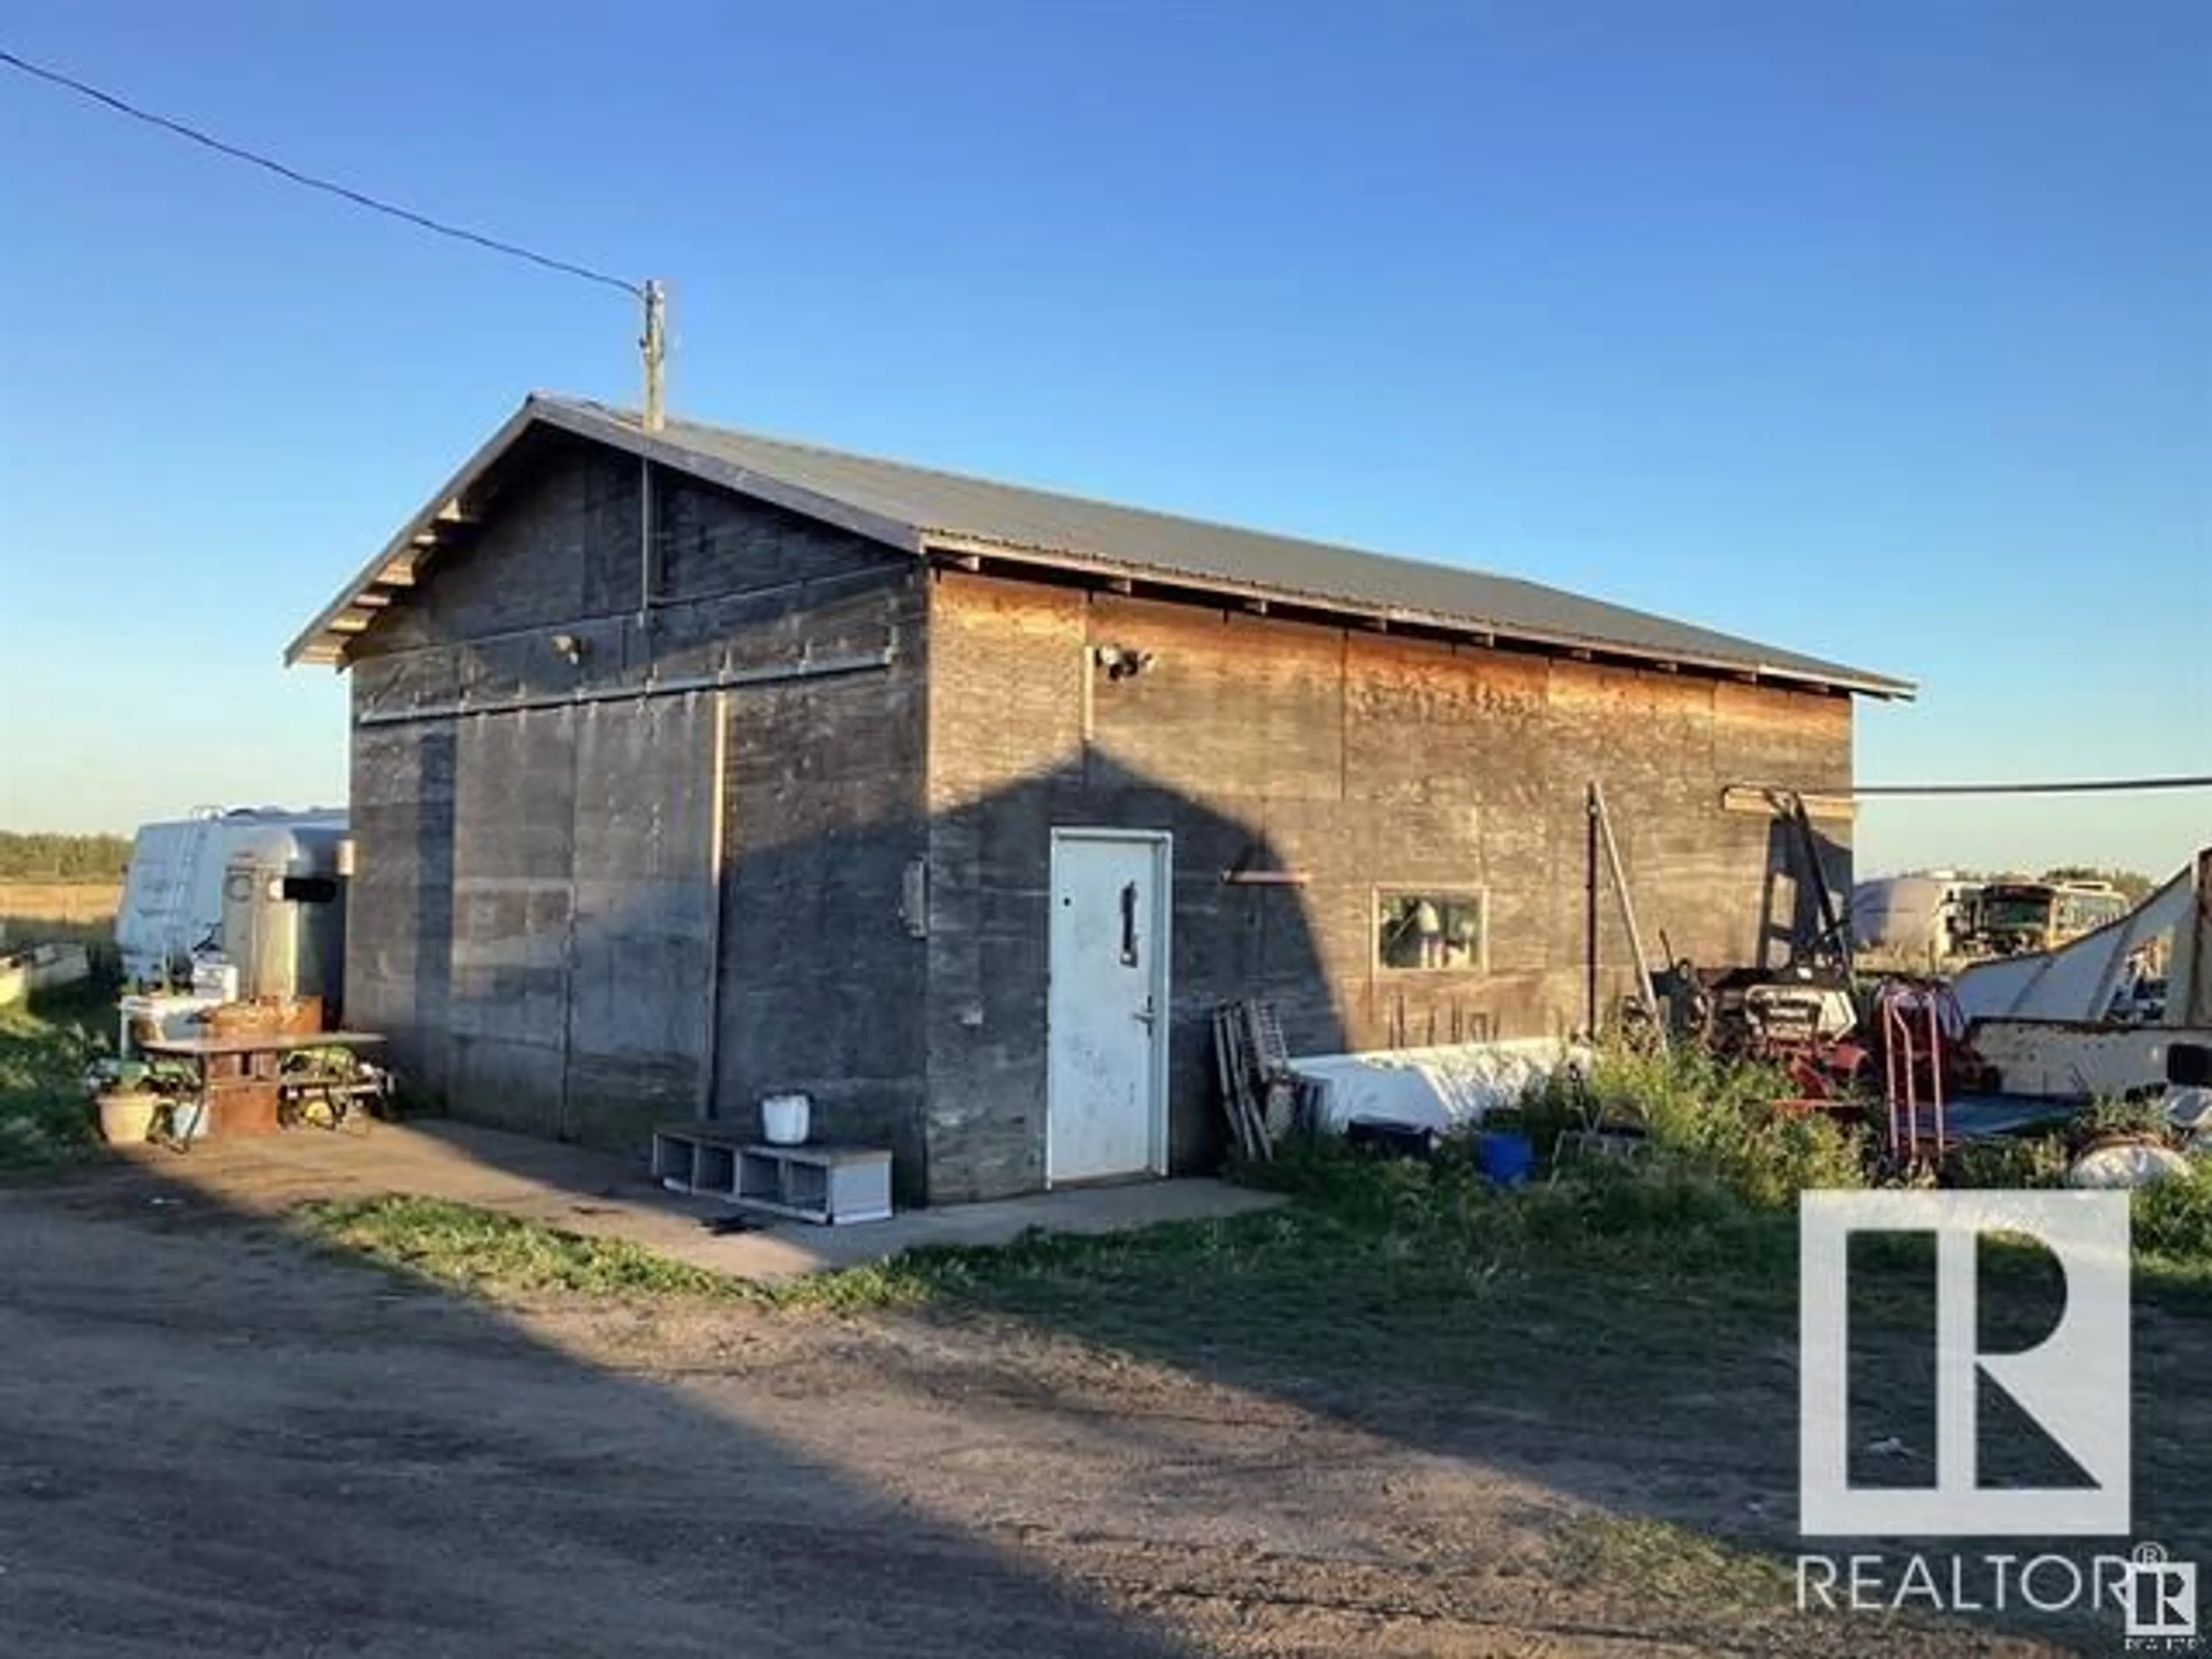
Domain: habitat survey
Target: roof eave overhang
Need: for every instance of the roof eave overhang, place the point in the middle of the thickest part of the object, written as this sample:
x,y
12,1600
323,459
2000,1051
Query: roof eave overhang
x,y
325,638
329,637
971,552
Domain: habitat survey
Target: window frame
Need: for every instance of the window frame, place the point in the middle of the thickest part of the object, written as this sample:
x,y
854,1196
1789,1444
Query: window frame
x,y
1452,892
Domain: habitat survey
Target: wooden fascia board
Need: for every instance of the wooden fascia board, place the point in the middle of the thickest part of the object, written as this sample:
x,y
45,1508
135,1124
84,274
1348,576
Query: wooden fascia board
x,y
417,539
403,549
1770,800
1484,630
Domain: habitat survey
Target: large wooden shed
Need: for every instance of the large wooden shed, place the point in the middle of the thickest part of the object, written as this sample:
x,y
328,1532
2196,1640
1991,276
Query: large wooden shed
x,y
690,766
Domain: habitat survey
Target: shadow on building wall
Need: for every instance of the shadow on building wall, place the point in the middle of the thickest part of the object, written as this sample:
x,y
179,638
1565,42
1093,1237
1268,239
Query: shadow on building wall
x,y
893,965
1802,860
557,959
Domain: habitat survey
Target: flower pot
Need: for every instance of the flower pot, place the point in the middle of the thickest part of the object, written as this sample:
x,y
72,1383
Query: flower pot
x,y
127,1120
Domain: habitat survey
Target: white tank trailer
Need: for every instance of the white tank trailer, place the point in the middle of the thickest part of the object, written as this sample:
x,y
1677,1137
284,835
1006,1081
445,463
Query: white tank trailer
x,y
1927,915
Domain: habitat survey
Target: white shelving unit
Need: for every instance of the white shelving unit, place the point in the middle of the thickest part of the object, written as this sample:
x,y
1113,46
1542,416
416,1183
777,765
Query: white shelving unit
x,y
830,1185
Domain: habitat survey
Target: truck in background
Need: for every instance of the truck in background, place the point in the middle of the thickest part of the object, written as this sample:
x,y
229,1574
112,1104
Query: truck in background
x,y
2013,918
1932,921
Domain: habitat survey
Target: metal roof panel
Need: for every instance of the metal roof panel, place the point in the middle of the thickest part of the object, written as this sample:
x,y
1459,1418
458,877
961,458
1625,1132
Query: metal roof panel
x,y
916,506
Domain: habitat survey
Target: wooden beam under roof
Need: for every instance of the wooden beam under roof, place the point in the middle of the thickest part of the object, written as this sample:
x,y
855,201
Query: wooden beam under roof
x,y
1771,800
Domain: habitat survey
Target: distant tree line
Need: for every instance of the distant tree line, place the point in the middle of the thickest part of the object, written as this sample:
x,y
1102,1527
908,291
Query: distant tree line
x,y
63,858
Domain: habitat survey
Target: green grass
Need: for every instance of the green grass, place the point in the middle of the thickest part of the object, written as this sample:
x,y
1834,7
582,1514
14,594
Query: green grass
x,y
2173,1226
1379,1245
1714,1115
1637,1319
1615,1300
44,1047
484,1252
1373,1245
1637,1316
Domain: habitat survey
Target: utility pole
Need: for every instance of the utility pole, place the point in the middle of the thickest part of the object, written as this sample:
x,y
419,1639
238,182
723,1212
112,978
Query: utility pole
x,y
655,348
653,344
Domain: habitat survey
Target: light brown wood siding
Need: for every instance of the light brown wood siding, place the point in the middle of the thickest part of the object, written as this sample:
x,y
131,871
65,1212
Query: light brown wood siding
x,y
1355,759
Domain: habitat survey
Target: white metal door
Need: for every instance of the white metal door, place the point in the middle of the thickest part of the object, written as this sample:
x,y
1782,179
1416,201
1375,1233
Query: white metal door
x,y
1106,1022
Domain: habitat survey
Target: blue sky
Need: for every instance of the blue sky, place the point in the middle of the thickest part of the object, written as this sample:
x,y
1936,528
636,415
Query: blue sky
x,y
1881,331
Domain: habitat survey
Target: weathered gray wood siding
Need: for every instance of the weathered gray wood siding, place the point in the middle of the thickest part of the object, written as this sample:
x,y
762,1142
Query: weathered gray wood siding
x,y
822,982
399,904
562,926
1359,761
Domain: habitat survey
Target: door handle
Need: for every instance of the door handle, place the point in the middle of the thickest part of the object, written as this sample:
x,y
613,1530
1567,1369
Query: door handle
x,y
1146,1015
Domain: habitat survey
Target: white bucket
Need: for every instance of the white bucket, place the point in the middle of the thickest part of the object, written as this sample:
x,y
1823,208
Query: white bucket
x,y
783,1119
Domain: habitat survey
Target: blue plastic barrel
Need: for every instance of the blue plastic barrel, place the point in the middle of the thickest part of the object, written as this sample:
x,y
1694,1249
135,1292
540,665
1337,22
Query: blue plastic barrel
x,y
1506,1156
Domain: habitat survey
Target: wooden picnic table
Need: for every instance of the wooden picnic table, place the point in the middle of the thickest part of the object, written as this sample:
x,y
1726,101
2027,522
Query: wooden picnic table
x,y
258,1042
240,1074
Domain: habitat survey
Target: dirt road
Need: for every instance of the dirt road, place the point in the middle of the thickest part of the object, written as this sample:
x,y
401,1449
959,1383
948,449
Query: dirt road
x,y
219,1441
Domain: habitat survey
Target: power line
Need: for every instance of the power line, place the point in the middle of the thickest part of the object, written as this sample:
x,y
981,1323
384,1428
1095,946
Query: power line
x,y
2077,786
328,187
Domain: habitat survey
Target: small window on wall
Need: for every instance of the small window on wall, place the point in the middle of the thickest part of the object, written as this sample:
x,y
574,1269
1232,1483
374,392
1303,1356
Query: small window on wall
x,y
1418,928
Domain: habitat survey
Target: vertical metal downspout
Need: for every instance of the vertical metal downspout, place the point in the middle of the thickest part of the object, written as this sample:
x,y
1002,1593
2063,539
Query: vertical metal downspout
x,y
647,576
717,820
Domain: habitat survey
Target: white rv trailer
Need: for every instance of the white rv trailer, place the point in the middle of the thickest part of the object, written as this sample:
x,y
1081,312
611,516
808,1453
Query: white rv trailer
x,y
174,894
